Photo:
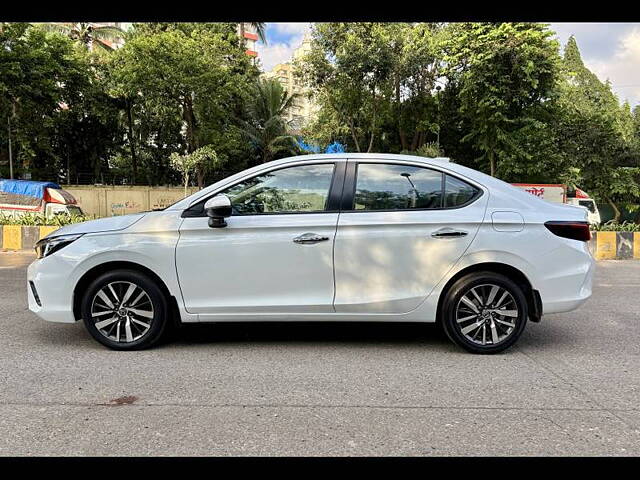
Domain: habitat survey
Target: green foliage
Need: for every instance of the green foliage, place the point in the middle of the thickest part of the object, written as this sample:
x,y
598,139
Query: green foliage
x,y
265,127
170,75
429,150
203,159
613,226
496,96
504,73
39,219
595,134
58,115
349,68
88,34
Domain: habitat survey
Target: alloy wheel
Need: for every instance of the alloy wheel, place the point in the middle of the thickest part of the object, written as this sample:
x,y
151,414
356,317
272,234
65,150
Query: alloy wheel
x,y
122,311
487,314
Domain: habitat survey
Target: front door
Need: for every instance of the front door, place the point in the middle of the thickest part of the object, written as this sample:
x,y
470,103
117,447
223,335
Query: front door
x,y
276,253
398,234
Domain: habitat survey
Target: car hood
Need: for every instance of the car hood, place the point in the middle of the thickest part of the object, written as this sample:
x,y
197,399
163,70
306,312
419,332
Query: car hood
x,y
108,224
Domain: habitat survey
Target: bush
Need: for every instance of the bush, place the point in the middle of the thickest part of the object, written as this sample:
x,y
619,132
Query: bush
x,y
39,219
612,226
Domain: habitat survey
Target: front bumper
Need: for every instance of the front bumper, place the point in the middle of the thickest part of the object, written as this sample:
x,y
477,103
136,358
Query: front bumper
x,y
50,278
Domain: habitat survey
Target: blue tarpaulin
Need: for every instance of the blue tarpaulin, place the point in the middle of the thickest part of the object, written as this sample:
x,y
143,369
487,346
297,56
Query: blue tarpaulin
x,y
335,147
26,187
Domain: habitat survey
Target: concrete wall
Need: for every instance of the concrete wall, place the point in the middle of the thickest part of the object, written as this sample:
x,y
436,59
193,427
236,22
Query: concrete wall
x,y
106,201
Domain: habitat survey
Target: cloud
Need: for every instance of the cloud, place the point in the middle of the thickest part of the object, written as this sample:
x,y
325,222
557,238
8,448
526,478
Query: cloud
x,y
595,40
622,68
611,51
282,40
292,28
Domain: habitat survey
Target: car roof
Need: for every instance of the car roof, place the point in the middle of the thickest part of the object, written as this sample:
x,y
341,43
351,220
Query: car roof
x,y
389,156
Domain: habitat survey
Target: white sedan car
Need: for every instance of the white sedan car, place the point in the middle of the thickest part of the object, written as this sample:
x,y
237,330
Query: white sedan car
x,y
345,237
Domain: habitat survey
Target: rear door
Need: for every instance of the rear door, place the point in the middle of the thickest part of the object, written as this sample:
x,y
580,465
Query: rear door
x,y
402,226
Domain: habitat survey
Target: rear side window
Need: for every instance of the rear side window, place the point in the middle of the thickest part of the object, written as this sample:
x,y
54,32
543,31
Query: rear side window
x,y
458,192
397,187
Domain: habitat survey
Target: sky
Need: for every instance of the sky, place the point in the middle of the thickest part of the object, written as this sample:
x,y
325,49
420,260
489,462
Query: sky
x,y
610,50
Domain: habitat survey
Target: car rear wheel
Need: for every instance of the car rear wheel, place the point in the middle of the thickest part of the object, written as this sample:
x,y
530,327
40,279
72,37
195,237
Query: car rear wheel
x,y
484,312
125,310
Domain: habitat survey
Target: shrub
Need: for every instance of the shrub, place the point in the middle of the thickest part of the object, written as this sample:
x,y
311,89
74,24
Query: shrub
x,y
38,219
612,226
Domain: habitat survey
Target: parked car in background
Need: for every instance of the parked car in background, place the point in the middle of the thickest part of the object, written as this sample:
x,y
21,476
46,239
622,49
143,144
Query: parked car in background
x,y
559,193
330,237
18,197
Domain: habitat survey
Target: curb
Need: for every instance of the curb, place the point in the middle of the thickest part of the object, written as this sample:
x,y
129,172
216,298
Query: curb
x,y
603,245
20,237
615,245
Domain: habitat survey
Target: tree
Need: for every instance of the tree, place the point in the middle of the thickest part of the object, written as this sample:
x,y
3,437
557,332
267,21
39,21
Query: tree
x,y
58,115
596,133
204,158
88,34
266,127
260,28
504,72
418,65
348,70
198,72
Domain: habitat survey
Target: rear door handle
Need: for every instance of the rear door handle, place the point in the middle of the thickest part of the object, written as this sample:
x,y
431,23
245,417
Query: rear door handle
x,y
448,233
310,238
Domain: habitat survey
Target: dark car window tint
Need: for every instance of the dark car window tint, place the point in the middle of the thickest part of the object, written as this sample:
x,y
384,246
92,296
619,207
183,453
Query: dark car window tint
x,y
458,192
397,187
303,188
588,204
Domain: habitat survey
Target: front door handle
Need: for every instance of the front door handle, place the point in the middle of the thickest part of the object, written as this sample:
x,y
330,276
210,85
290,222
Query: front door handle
x,y
448,233
310,238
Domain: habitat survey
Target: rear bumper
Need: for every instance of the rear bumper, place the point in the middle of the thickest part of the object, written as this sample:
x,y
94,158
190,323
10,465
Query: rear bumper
x,y
572,286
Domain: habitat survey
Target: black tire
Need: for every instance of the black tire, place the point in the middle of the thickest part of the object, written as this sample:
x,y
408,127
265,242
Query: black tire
x,y
454,308
155,300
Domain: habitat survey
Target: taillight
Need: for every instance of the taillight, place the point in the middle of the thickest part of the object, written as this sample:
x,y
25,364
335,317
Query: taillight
x,y
573,230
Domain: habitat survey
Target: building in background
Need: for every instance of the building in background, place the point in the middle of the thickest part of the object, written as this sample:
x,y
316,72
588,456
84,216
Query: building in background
x,y
303,109
248,32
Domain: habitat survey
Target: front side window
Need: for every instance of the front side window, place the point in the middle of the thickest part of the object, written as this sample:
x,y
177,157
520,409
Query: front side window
x,y
303,188
397,187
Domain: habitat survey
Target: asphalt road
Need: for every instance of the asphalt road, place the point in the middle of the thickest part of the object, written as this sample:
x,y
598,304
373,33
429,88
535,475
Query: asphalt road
x,y
571,386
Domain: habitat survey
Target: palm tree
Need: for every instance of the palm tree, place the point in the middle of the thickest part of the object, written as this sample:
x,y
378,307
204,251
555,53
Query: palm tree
x,y
260,28
266,127
88,34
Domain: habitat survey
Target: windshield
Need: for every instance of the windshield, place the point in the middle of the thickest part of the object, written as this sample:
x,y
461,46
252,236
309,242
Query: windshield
x,y
588,204
65,210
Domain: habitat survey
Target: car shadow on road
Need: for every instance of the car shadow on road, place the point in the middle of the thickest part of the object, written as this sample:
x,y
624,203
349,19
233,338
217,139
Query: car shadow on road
x,y
313,332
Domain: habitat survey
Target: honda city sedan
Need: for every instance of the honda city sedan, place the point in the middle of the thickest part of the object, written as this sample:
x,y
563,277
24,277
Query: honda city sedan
x,y
331,237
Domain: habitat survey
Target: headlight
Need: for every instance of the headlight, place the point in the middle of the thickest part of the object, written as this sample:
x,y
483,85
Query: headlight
x,y
47,246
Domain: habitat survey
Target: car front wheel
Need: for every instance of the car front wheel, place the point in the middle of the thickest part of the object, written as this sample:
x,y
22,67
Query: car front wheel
x,y
484,312
125,310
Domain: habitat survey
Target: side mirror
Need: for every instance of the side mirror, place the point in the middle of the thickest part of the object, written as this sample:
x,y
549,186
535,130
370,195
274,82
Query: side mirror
x,y
217,209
